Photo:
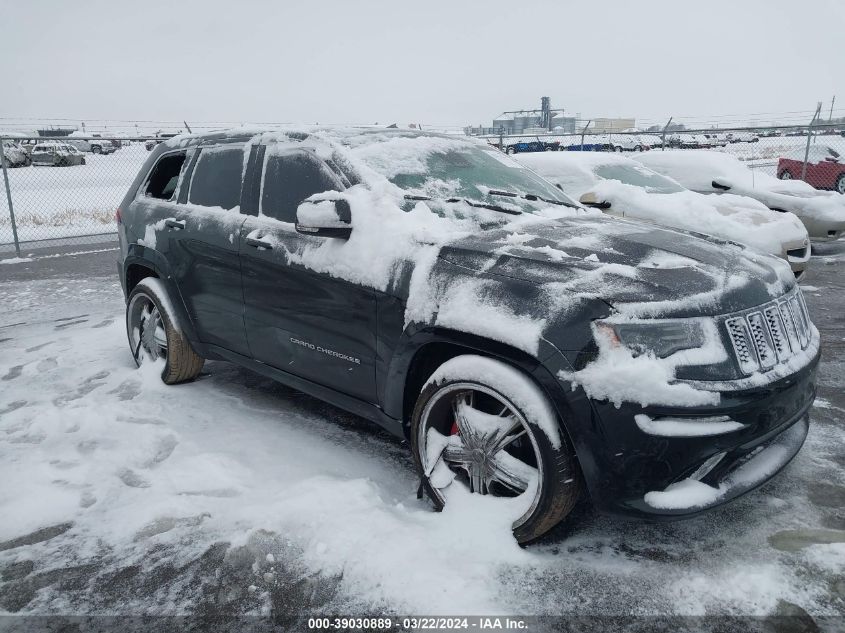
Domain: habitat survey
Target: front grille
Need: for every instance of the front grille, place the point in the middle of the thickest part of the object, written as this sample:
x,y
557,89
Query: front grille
x,y
770,334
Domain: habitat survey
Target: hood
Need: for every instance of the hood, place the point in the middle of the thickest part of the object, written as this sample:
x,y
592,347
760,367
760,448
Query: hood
x,y
637,268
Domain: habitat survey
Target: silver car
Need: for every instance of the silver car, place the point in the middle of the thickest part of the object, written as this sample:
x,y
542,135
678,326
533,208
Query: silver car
x,y
56,155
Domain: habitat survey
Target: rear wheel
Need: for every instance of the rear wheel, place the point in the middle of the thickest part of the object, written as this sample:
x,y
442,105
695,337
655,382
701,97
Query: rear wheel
x,y
154,336
481,426
785,175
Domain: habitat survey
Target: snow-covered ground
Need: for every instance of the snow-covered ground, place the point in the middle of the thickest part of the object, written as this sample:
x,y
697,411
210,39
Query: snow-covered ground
x,y
53,202
236,495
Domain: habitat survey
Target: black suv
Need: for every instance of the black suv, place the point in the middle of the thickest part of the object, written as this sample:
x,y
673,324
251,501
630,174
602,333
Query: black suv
x,y
528,349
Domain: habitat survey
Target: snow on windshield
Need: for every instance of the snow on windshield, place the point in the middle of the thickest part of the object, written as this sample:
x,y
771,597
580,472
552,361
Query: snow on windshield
x,y
577,172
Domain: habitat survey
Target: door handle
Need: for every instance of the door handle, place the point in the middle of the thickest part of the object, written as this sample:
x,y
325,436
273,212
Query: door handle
x,y
173,223
251,241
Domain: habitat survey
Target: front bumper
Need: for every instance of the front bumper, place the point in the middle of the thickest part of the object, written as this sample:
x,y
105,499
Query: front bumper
x,y
628,469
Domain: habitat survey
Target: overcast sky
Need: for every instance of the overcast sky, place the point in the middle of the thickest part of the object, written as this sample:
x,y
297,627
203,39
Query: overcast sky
x,y
435,62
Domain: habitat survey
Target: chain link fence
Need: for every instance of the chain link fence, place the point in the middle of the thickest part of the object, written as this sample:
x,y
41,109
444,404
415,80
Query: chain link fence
x,y
63,190
814,153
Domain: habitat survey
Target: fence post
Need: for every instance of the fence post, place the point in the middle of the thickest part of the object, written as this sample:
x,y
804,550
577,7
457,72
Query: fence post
x,y
809,136
9,199
663,135
584,131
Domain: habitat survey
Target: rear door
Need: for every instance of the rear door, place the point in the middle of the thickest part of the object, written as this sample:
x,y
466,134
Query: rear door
x,y
304,322
196,225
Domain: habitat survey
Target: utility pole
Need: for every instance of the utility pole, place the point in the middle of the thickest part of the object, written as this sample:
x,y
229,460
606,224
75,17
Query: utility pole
x,y
832,101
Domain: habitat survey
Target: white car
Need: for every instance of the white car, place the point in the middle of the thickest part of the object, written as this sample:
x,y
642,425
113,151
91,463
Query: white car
x,y
822,212
625,188
14,154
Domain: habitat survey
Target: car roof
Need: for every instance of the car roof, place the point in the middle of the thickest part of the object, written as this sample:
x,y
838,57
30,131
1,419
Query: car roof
x,y
326,133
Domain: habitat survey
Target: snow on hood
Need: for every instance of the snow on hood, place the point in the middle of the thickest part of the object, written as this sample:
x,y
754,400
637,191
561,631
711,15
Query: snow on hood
x,y
697,169
639,269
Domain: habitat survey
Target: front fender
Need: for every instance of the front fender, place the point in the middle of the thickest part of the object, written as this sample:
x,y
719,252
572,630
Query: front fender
x,y
150,258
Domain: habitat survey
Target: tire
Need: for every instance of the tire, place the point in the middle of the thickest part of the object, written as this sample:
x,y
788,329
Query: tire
x,y
182,363
501,389
509,150
96,149
840,184
617,149
785,175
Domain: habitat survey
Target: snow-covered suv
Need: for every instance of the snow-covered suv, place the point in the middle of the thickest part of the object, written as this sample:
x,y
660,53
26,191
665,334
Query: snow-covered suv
x,y
528,348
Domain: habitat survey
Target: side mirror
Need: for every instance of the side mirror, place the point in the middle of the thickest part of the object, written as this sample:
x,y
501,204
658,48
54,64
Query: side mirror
x,y
324,218
589,199
717,185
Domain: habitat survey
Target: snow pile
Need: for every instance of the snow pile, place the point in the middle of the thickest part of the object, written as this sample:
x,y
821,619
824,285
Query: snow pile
x,y
136,466
620,376
731,217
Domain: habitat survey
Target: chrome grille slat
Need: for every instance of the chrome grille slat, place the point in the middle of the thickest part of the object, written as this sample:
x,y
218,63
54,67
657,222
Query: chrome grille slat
x,y
798,317
743,345
770,334
762,340
789,322
776,327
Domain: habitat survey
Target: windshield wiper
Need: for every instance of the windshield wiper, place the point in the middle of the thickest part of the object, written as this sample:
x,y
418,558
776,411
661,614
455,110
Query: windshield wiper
x,y
472,203
532,197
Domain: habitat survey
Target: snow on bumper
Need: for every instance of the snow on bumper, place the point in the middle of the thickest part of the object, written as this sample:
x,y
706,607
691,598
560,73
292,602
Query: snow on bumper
x,y
755,468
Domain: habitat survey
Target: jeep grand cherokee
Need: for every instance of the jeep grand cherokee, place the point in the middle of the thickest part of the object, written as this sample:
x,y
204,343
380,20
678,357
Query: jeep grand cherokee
x,y
527,348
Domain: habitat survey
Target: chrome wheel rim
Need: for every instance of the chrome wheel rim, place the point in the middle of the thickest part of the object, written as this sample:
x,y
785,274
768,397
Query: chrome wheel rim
x,y
786,176
147,335
840,185
483,440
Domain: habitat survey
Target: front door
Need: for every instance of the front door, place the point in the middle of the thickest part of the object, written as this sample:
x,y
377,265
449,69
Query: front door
x,y
304,322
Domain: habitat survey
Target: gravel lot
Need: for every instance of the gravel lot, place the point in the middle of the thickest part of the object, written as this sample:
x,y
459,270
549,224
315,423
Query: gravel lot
x,y
235,495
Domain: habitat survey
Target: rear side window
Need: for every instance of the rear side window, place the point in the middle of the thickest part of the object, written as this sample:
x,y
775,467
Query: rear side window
x,y
165,176
289,179
217,178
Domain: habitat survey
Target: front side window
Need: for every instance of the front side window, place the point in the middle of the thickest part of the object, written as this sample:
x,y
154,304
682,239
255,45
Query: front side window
x,y
217,177
165,176
290,178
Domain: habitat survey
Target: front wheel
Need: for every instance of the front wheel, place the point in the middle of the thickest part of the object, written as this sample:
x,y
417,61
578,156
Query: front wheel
x,y
840,184
483,427
153,335
785,175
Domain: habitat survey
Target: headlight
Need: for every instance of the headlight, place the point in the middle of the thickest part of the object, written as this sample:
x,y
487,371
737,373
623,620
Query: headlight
x,y
660,337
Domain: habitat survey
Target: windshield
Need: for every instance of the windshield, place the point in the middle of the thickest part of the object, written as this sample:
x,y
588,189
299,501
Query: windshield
x,y
442,169
638,177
